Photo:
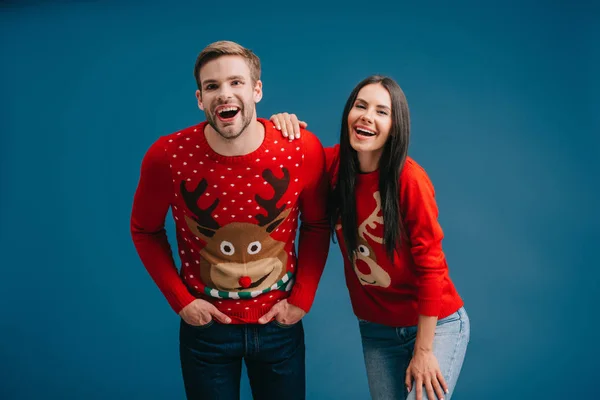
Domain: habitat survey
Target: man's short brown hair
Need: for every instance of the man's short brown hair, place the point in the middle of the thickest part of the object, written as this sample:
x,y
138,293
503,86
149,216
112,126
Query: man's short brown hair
x,y
227,48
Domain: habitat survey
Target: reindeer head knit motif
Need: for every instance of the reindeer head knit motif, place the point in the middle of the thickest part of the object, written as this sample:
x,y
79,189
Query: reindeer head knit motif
x,y
241,259
365,261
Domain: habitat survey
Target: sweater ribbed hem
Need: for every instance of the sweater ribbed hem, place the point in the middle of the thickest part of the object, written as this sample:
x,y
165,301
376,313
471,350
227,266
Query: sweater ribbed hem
x,y
405,316
248,311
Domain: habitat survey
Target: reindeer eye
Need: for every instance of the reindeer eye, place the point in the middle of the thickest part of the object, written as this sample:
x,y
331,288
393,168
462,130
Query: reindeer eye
x,y
254,247
364,250
227,248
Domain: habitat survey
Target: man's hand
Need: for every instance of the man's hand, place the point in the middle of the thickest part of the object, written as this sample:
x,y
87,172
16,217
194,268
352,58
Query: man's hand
x,y
283,312
201,312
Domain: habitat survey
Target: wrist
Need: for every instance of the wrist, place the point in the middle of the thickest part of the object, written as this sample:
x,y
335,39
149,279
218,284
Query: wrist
x,y
423,349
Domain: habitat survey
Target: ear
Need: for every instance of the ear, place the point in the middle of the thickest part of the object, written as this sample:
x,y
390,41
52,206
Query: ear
x,y
199,97
258,91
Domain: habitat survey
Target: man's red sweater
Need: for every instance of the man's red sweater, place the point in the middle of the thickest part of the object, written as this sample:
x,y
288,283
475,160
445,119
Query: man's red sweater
x,y
416,281
236,220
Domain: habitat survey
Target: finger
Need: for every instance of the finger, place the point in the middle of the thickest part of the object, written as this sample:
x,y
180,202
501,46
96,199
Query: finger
x,y
442,382
289,125
302,124
437,388
275,118
268,316
296,125
419,388
429,390
408,380
222,318
283,125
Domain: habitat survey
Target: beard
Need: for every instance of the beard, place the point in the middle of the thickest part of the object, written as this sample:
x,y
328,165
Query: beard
x,y
230,130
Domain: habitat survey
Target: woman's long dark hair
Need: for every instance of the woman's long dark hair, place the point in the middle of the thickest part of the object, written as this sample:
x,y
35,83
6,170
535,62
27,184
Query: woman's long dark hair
x,y
343,199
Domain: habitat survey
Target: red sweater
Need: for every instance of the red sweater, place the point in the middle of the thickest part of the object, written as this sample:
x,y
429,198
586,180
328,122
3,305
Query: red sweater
x,y
236,220
417,281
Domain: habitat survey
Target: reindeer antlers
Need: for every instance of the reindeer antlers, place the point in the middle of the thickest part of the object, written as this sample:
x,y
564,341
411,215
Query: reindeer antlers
x,y
203,217
372,221
280,185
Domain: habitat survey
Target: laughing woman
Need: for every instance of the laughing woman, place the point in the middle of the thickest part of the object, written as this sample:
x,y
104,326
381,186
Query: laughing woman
x,y
413,325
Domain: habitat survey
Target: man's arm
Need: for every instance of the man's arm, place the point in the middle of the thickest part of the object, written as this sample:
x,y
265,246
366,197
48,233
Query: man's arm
x,y
314,240
150,206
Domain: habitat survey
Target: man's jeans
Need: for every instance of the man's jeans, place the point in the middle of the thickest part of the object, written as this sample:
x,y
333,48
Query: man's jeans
x,y
211,360
388,351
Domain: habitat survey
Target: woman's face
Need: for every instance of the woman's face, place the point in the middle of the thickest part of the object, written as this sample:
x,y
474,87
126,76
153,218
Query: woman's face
x,y
370,119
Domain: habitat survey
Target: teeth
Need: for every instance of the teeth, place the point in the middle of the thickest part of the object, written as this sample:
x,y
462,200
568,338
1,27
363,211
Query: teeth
x,y
365,131
225,109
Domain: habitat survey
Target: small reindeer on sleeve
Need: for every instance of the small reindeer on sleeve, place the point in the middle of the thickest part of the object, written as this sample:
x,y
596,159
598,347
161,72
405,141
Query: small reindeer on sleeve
x,y
240,257
365,261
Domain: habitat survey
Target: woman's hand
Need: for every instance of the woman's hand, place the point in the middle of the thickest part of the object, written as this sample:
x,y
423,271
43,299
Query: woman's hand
x,y
424,370
288,124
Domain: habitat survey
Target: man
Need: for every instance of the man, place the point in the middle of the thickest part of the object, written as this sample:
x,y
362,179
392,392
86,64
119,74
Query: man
x,y
237,190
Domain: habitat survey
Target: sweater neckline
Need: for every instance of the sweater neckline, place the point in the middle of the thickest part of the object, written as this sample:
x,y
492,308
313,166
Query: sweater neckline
x,y
253,156
368,177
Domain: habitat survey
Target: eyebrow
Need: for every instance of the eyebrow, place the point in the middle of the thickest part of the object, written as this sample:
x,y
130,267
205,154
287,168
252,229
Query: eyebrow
x,y
380,105
229,78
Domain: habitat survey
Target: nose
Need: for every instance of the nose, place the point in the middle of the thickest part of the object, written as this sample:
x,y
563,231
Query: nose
x,y
366,117
224,93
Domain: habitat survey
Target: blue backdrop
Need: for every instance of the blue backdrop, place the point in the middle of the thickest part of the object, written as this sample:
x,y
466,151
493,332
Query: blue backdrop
x,y
505,120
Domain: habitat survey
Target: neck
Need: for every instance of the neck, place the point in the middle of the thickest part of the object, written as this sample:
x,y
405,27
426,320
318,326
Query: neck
x,y
368,161
249,140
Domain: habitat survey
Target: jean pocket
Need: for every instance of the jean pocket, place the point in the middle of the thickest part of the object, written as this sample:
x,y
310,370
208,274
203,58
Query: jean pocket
x,y
205,326
449,325
284,326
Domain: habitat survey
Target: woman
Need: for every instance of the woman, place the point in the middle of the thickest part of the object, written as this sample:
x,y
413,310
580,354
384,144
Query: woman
x,y
413,326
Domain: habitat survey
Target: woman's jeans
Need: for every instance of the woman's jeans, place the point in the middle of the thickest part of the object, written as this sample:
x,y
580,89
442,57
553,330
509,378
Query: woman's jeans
x,y
388,351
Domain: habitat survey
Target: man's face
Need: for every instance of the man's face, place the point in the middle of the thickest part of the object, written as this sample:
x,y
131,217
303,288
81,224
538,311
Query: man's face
x,y
228,96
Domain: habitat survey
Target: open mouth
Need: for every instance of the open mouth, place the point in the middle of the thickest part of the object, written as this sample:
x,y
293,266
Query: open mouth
x,y
255,284
364,132
227,113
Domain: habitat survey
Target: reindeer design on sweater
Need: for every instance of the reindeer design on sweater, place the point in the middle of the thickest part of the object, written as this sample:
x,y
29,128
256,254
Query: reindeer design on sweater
x,y
365,261
240,259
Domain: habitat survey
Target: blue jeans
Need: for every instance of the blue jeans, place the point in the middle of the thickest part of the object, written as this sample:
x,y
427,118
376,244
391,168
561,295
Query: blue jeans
x,y
388,351
211,360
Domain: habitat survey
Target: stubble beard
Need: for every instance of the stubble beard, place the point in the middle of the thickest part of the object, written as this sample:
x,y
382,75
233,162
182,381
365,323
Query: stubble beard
x,y
227,133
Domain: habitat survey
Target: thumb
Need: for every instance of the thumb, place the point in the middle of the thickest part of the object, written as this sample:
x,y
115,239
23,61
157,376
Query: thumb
x,y
302,124
222,318
408,381
269,316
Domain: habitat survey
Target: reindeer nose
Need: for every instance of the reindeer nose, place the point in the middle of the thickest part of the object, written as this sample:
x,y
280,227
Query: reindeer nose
x,y
363,267
245,281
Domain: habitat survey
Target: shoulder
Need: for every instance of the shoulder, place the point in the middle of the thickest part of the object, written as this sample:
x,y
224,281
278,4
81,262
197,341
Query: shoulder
x,y
181,137
309,141
414,174
332,155
332,163
165,145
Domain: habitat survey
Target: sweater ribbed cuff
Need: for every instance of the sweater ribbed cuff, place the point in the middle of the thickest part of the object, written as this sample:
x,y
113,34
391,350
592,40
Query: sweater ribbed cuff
x,y
430,308
302,298
178,300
